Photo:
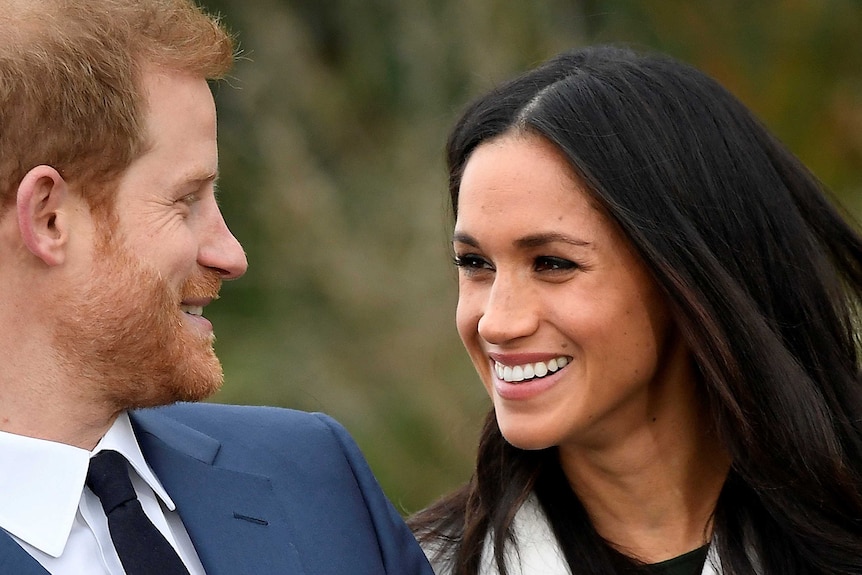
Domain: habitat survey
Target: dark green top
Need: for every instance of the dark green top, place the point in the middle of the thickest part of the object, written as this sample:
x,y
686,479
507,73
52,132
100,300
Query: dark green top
x,y
690,563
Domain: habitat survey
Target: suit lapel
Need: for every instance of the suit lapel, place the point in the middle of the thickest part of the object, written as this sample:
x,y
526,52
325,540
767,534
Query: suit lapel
x,y
13,558
234,520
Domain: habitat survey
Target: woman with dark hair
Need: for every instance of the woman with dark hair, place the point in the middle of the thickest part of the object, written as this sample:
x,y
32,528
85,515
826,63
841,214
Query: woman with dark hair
x,y
663,305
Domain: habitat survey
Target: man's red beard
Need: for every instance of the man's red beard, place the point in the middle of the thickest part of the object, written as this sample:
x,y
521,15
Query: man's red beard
x,y
123,334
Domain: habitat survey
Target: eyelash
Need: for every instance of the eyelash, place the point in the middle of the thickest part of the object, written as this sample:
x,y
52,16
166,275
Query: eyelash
x,y
473,263
554,264
189,199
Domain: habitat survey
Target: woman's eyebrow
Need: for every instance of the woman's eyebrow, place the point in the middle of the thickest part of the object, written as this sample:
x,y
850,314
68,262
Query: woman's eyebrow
x,y
462,238
541,239
530,241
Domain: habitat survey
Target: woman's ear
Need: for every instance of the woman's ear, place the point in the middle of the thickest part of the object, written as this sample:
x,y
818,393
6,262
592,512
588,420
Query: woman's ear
x,y
43,206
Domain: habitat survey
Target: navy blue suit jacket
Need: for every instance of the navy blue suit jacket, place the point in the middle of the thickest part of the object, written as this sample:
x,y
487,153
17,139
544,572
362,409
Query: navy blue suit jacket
x,y
266,491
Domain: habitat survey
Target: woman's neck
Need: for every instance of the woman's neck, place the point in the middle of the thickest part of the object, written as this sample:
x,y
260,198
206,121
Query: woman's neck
x,y
653,495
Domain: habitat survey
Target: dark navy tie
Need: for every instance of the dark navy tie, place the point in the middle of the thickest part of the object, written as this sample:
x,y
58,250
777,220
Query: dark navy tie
x,y
143,550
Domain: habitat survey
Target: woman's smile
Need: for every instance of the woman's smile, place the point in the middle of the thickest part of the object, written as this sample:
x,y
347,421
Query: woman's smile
x,y
561,318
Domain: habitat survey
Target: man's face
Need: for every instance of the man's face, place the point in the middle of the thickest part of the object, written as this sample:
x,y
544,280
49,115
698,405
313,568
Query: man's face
x,y
135,327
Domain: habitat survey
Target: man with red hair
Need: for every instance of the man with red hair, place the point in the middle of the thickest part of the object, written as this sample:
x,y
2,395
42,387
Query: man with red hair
x,y
111,246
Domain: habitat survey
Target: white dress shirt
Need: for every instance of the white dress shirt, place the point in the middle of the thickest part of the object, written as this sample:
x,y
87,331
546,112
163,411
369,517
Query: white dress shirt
x,y
48,511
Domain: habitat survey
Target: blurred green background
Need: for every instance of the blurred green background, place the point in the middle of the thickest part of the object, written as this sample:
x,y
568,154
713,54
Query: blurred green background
x,y
331,135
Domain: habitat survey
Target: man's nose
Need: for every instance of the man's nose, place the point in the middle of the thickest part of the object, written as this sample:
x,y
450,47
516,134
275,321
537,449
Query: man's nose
x,y
221,251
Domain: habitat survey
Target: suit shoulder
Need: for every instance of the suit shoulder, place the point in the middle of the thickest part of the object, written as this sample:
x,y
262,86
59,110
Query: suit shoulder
x,y
223,421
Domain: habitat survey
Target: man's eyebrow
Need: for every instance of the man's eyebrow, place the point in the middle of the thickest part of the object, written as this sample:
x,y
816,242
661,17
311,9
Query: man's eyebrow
x,y
197,179
205,178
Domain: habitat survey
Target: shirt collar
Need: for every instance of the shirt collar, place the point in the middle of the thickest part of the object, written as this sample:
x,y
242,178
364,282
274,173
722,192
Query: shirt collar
x,y
121,437
41,483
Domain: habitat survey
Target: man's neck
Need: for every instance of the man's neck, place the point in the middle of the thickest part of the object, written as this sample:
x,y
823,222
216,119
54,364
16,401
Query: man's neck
x,y
49,414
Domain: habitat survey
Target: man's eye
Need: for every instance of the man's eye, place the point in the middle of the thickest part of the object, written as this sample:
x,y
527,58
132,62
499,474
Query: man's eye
x,y
471,262
189,199
549,263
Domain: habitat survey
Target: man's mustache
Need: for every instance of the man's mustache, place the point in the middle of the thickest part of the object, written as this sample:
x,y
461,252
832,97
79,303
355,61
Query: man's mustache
x,y
204,285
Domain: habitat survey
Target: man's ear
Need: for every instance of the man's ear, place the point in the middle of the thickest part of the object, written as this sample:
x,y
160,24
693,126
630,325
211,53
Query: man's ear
x,y
43,207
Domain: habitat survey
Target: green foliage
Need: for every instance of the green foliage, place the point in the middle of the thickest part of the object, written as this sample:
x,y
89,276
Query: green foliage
x,y
331,135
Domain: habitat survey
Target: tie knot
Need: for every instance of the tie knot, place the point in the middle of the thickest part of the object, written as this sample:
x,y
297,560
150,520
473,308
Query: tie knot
x,y
108,479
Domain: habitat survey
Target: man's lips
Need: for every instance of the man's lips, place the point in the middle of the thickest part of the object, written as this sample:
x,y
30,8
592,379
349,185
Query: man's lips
x,y
195,306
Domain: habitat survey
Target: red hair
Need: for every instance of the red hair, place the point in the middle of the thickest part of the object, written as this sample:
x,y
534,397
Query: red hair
x,y
70,83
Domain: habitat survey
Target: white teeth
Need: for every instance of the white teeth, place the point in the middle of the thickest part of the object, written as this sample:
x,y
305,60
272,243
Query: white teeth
x,y
527,371
192,309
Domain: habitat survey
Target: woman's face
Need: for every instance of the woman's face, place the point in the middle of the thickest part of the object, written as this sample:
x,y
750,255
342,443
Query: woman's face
x,y
569,333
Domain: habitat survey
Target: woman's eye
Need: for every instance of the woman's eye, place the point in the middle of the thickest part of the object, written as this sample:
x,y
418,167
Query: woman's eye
x,y
471,262
549,263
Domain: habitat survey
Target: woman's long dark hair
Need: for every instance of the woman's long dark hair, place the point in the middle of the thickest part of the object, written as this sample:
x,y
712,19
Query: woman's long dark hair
x,y
764,278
